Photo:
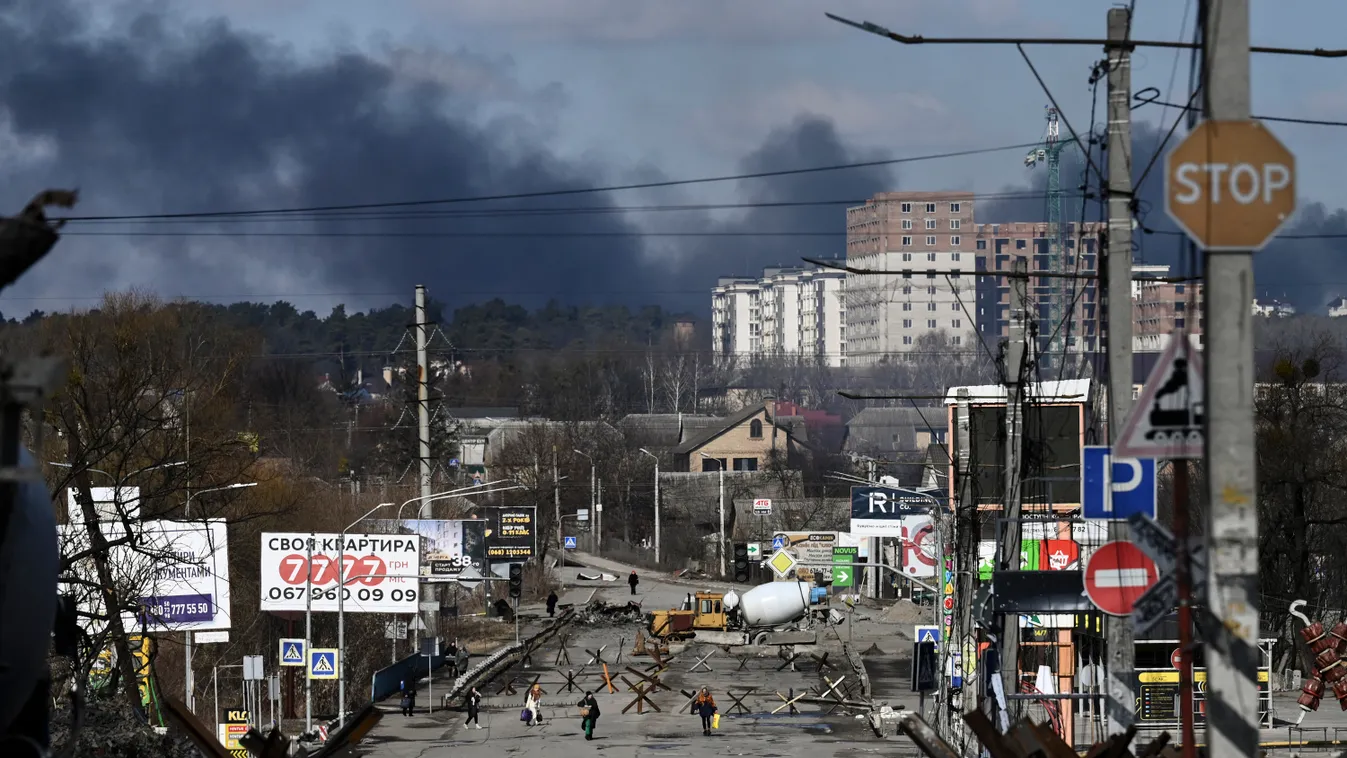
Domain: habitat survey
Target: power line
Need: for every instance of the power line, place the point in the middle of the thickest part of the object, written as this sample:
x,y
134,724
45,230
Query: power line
x,y
559,192
536,211
1142,98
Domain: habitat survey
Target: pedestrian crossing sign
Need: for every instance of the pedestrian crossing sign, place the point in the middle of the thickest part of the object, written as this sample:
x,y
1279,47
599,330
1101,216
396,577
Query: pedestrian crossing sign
x,y
572,543
925,633
778,542
292,651
323,664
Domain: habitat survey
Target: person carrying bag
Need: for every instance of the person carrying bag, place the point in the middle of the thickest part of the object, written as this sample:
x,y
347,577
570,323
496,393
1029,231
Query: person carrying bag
x,y
705,706
532,713
589,714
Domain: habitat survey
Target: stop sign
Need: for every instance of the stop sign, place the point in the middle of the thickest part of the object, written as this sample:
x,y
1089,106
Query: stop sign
x,y
1230,185
1116,575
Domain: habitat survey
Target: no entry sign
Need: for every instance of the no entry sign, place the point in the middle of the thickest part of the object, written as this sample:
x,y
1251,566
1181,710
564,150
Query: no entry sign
x,y
1116,575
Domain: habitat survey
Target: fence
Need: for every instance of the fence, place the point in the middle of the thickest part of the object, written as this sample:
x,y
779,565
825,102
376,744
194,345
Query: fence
x,y
388,681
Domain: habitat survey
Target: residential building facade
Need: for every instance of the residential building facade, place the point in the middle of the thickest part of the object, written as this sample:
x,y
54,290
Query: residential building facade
x,y
926,238
1160,307
1064,309
785,313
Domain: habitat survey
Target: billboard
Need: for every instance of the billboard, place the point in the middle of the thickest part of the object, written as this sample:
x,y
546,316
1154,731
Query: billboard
x,y
110,503
379,568
920,548
812,548
878,511
449,547
510,534
177,573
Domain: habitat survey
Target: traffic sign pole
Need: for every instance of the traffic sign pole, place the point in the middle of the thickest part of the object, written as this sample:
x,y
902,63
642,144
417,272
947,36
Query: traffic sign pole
x,y
1183,575
308,630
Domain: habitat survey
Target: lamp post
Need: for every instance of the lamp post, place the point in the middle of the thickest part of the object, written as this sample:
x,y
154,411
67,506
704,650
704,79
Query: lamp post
x,y
722,524
341,616
190,682
720,543
593,514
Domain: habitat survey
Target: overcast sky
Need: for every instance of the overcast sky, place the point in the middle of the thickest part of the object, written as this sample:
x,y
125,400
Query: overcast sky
x,y
251,104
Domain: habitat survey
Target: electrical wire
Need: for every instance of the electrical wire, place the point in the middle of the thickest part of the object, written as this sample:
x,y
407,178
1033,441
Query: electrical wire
x,y
553,193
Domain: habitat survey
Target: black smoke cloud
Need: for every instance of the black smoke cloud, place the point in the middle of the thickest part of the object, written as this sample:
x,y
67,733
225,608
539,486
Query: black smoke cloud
x,y
1305,272
166,116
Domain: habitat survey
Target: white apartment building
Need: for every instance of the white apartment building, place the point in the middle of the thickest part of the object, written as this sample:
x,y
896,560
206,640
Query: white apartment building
x,y
787,312
921,236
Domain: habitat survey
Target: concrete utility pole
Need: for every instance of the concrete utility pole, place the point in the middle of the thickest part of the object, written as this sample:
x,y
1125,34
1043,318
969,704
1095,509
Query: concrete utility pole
x,y
1232,528
422,391
556,500
966,531
1010,538
1119,707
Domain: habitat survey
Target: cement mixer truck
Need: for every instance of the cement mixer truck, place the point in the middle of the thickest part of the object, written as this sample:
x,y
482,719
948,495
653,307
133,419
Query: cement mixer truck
x,y
769,614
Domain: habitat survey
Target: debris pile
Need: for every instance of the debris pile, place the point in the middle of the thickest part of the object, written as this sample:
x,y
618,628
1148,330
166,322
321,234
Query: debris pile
x,y
110,729
599,612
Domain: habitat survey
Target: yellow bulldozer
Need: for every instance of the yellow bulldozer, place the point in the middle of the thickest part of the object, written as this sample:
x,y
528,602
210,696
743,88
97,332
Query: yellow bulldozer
x,y
707,614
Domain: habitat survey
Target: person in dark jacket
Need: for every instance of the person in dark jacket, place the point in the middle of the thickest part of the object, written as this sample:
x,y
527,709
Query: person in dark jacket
x,y
633,580
408,698
473,701
705,706
552,604
590,709
451,654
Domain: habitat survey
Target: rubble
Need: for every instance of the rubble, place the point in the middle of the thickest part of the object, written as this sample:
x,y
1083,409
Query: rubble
x,y
599,612
110,729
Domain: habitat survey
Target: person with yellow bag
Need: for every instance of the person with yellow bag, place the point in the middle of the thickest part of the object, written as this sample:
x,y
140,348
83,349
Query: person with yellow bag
x,y
705,706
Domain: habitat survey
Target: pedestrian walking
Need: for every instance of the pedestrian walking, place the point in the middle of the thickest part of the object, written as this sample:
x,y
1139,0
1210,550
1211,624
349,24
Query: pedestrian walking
x,y
533,702
705,706
451,655
408,698
633,580
589,714
462,660
552,604
473,701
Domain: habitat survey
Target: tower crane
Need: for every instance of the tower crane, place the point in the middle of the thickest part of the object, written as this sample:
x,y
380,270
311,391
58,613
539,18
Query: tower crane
x,y
1050,154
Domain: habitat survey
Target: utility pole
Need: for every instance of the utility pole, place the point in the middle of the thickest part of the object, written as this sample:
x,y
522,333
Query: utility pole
x,y
422,391
966,536
1119,702
556,499
1010,538
1232,528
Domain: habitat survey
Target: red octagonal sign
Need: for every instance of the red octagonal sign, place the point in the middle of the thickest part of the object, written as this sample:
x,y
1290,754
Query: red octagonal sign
x,y
1116,575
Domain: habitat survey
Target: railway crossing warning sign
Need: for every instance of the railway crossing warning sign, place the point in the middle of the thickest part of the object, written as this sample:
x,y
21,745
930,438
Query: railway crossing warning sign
x,y
1167,419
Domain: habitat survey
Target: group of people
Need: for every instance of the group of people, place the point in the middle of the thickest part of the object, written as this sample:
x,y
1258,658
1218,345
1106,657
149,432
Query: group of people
x,y
589,710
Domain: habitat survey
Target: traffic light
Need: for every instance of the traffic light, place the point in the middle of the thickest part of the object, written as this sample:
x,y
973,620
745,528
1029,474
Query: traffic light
x,y
740,562
516,580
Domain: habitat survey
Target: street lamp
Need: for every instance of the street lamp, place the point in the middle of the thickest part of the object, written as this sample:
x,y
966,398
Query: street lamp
x,y
446,494
117,482
720,544
187,509
341,616
722,523
593,511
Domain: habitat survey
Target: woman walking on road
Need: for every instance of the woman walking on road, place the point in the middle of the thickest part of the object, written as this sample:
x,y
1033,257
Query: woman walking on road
x,y
705,706
532,703
474,703
589,714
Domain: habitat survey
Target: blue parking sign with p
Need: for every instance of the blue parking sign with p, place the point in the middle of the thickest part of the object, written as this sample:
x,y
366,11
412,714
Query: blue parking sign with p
x,y
1115,488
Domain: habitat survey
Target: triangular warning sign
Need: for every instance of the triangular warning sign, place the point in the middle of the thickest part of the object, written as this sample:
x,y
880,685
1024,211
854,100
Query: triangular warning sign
x,y
322,664
1168,419
292,653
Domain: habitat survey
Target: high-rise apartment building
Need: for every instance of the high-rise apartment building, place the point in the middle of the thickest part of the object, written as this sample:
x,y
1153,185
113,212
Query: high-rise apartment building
x,y
787,312
1160,307
1066,312
926,237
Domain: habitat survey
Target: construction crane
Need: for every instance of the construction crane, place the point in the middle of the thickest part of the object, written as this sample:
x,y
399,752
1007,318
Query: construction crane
x,y
1050,153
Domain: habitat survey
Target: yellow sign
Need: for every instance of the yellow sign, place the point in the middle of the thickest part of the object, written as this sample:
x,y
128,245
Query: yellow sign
x,y
781,562
1161,677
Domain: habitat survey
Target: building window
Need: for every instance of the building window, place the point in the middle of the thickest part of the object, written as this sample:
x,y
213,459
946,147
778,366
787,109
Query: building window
x,y
930,207
930,241
954,306
906,207
956,339
930,323
954,223
755,429
907,223
930,290
956,323
1019,244
907,339
907,323
745,464
930,306
982,244
930,223
713,464
907,289
930,256
907,273
907,257
954,208
954,242
907,242
907,306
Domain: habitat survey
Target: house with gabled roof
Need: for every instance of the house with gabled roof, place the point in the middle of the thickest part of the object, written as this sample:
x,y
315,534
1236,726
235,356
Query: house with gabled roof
x,y
745,441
